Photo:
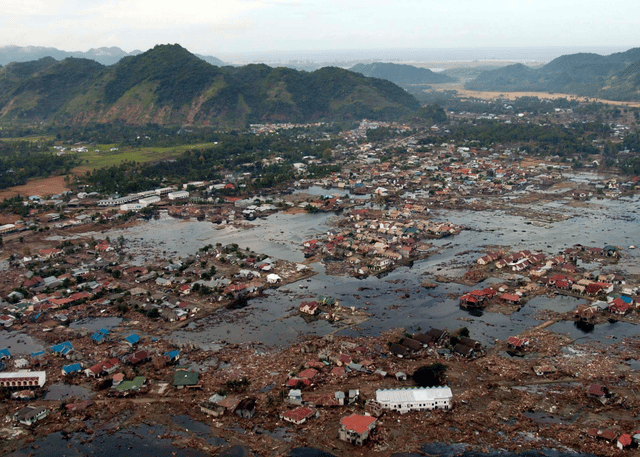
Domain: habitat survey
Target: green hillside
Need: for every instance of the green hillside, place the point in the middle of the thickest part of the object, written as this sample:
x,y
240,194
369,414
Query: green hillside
x,y
169,85
614,77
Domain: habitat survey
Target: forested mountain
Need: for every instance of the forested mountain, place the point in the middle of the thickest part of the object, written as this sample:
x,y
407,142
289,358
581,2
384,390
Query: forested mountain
x,y
401,74
169,85
105,56
615,77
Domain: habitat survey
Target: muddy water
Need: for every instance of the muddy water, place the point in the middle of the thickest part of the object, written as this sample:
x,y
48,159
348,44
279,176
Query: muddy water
x,y
396,300
66,392
19,344
142,440
278,235
93,324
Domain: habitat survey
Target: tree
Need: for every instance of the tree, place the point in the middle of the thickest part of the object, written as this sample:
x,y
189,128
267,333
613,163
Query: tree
x,y
153,313
430,375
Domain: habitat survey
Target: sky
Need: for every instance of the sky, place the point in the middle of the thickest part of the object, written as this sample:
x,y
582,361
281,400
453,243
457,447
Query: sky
x,y
228,27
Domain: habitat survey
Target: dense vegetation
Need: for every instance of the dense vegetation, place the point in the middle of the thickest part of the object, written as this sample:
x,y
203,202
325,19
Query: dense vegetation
x,y
615,77
169,85
233,153
23,160
548,139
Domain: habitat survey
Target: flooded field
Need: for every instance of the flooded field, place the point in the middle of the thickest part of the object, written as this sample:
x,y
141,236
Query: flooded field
x,y
396,300
143,440
278,235
96,323
19,344
67,392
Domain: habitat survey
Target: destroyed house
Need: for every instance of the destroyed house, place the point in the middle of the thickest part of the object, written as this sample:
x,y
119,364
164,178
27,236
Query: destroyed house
x,y
425,339
475,344
314,399
411,344
518,343
439,336
29,415
138,358
398,350
470,301
464,350
246,408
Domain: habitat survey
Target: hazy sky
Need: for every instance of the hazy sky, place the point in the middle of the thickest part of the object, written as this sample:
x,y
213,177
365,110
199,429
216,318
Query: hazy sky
x,y
224,27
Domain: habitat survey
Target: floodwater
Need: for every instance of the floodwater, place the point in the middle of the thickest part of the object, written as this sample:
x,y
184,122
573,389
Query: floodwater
x,y
93,324
279,235
142,440
19,344
397,299
66,392
332,192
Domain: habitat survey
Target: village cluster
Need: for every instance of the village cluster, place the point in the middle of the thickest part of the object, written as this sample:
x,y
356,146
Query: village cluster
x,y
342,394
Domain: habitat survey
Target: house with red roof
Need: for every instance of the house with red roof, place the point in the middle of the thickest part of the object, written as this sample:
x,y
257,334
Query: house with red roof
x,y
518,343
299,415
510,298
310,307
102,368
619,306
624,441
355,429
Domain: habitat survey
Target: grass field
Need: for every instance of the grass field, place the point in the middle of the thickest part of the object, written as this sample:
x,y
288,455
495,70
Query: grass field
x,y
35,138
92,160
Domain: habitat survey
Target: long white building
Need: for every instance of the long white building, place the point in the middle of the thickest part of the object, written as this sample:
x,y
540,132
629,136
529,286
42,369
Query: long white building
x,y
414,399
23,379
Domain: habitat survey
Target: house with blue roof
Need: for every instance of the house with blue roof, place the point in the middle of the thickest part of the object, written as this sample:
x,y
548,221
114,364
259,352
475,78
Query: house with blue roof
x,y
132,339
71,369
5,354
174,355
98,337
62,349
38,354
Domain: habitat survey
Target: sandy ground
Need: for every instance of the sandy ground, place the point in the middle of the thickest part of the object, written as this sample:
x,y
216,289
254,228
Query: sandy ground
x,y
43,187
488,95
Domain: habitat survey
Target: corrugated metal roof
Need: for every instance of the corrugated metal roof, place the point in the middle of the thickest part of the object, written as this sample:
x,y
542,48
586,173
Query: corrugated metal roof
x,y
420,394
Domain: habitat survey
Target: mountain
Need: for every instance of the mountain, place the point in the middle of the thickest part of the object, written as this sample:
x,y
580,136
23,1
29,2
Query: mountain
x,y
401,74
169,85
613,77
105,56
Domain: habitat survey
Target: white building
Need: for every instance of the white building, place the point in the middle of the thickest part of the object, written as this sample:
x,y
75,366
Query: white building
x,y
415,399
149,200
131,207
24,378
178,195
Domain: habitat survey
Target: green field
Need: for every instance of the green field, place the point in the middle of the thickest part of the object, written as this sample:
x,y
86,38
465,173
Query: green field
x,y
107,158
34,138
